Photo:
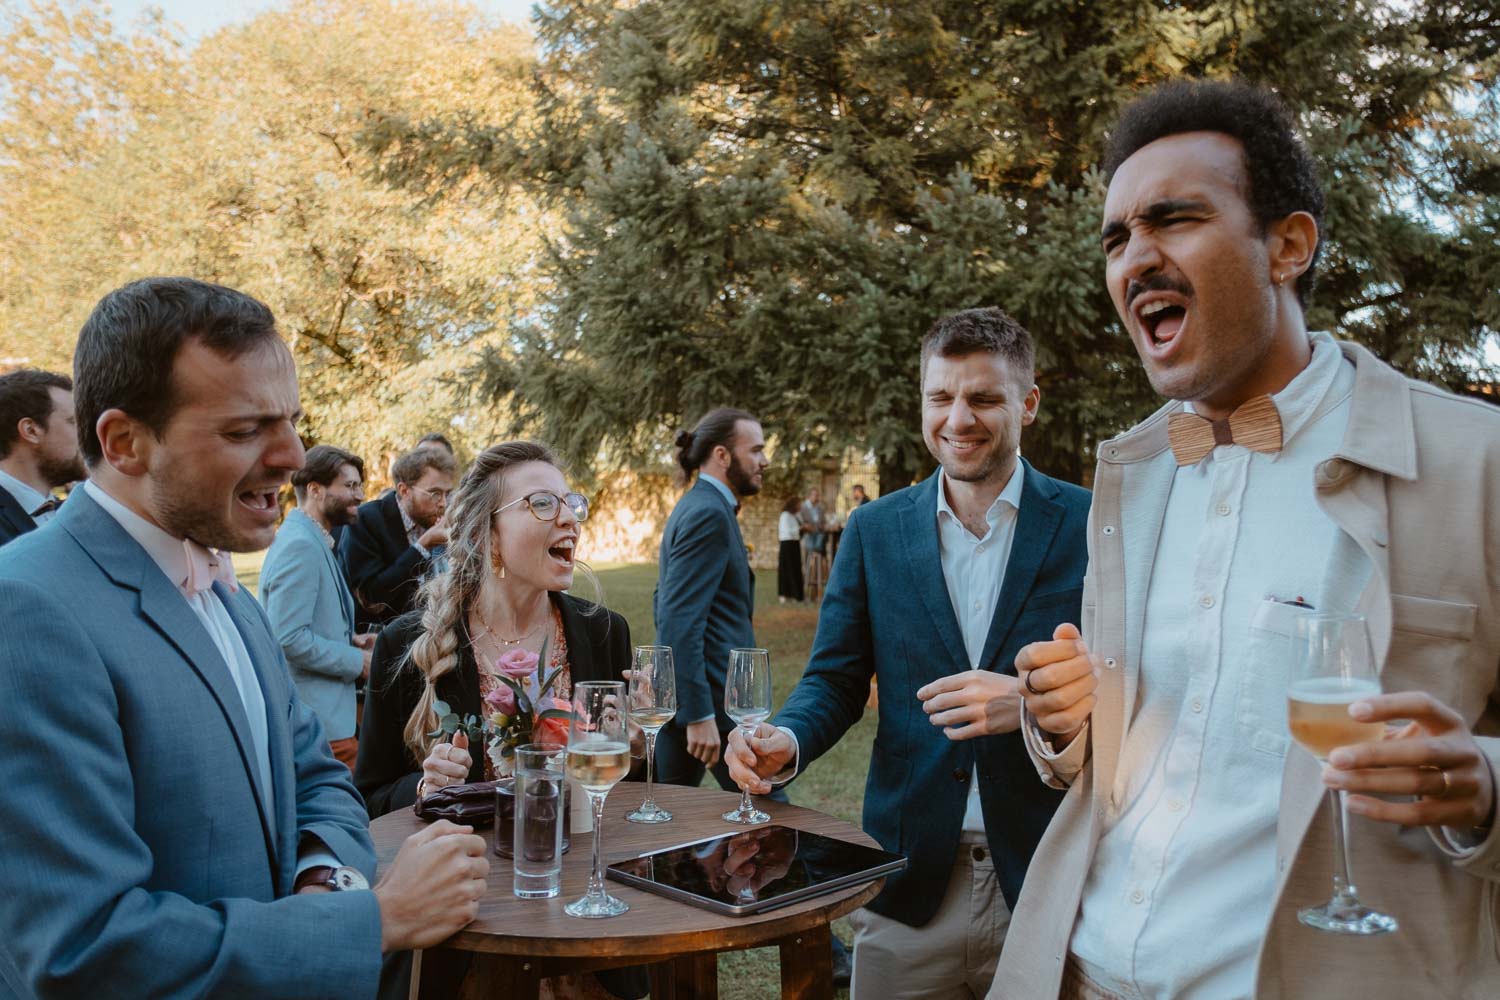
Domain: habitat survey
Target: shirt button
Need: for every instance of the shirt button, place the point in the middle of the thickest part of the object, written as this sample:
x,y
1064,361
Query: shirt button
x,y
1174,805
1197,704
960,775
1138,896
1206,601
1109,661
979,854
976,605
1223,509
1108,529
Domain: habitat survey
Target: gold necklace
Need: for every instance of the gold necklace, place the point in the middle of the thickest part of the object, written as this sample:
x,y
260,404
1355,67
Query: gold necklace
x,y
504,642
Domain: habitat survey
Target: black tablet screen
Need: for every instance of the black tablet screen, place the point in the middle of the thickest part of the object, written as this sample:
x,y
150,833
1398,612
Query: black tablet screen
x,y
756,866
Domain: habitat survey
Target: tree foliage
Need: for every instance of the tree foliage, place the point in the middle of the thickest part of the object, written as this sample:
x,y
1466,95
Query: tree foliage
x,y
766,203
235,160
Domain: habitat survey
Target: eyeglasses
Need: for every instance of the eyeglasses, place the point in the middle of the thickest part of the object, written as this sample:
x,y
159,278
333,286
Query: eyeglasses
x,y
436,496
544,505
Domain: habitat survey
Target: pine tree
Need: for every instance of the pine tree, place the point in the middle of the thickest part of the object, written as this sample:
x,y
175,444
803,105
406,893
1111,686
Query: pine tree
x,y
767,203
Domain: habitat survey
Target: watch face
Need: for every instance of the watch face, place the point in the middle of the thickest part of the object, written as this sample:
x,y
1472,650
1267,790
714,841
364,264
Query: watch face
x,y
345,879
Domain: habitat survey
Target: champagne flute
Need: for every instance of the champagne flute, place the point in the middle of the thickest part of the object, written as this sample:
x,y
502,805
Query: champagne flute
x,y
1333,666
653,703
598,757
747,699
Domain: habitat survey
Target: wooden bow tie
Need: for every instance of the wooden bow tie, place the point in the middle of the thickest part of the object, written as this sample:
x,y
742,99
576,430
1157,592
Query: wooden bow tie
x,y
1255,425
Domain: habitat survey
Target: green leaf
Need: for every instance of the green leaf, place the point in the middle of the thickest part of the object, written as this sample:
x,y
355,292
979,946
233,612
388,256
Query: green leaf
x,y
555,713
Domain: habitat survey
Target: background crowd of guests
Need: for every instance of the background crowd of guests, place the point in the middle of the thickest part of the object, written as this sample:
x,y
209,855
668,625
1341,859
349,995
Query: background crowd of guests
x,y
1081,743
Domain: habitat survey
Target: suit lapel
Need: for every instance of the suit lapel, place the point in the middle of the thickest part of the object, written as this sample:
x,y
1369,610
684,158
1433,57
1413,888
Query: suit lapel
x,y
14,515
1036,526
162,604
925,566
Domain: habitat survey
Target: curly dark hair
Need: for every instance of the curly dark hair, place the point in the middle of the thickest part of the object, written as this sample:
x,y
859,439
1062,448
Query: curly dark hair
x,y
1280,172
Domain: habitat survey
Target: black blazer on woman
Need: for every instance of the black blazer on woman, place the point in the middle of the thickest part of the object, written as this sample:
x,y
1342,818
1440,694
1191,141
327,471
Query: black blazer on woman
x,y
386,772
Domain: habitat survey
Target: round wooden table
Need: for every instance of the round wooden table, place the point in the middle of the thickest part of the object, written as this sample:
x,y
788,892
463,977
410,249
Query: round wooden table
x,y
515,943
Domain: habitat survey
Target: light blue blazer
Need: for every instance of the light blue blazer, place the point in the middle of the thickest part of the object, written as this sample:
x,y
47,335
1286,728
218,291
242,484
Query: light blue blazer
x,y
136,855
312,614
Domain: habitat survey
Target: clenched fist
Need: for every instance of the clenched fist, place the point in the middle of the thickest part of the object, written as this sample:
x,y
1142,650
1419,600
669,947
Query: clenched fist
x,y
1058,679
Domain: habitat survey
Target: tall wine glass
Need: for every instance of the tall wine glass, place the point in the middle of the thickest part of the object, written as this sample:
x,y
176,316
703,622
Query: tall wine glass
x,y
747,699
598,757
653,703
1333,666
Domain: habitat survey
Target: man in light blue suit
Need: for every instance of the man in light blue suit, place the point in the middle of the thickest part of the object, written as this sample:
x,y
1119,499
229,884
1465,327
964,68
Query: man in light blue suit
x,y
174,823
307,599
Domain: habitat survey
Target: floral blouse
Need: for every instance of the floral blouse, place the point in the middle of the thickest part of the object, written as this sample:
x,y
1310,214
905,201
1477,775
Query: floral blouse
x,y
557,659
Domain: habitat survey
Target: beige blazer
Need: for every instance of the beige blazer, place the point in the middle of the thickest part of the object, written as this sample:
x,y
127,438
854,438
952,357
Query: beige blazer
x,y
1416,486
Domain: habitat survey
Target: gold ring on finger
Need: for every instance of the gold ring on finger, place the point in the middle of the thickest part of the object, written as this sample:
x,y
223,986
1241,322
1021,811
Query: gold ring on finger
x,y
1447,784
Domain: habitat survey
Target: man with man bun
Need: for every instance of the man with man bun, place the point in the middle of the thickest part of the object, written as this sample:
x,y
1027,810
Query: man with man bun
x,y
705,592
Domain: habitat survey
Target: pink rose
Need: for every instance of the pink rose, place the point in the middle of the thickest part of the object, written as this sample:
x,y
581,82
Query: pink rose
x,y
501,699
518,663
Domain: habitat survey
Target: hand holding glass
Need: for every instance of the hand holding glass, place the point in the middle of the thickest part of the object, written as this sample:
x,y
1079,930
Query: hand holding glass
x,y
653,703
598,757
747,699
1333,666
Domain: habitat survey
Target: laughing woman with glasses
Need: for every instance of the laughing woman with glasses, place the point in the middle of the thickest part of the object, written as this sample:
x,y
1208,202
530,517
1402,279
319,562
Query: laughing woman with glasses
x,y
513,527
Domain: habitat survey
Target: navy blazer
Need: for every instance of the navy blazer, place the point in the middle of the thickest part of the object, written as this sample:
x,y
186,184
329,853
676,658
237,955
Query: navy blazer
x,y
383,568
14,519
704,599
137,849
887,614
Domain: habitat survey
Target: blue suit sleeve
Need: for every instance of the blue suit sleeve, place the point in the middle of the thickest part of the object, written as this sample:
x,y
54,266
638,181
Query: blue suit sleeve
x,y
76,913
699,556
288,585
833,690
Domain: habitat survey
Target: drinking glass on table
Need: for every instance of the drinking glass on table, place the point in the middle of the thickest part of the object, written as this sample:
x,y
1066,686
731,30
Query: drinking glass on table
x,y
653,703
747,699
1333,666
598,757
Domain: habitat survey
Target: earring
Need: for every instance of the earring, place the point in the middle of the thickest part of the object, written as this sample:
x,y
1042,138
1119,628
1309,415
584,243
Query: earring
x,y
1280,277
502,571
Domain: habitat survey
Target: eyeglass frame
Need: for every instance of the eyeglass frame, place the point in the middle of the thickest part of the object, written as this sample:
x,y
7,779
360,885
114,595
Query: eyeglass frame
x,y
562,501
435,495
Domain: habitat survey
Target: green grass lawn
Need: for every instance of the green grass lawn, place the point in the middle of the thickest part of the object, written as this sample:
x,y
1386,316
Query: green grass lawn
x,y
835,784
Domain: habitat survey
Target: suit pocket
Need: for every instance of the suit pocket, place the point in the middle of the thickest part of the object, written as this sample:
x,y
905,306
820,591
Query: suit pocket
x,y
1260,703
1432,650
1439,619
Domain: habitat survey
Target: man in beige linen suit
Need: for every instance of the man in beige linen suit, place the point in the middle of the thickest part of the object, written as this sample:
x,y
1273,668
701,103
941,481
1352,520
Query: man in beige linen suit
x,y
1194,830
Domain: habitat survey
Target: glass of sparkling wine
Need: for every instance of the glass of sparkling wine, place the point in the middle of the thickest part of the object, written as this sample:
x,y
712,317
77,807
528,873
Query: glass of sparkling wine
x,y
653,702
1333,666
598,757
747,699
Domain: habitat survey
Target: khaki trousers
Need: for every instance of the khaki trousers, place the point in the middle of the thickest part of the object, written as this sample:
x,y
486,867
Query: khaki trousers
x,y
953,957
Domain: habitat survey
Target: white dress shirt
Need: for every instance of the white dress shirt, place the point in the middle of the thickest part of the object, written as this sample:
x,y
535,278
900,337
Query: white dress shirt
x,y
29,499
168,554
787,528
974,569
1179,893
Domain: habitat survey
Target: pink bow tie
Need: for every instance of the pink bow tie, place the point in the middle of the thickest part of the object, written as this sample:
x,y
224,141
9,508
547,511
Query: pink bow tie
x,y
206,565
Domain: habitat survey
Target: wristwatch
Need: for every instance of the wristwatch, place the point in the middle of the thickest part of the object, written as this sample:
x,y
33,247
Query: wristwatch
x,y
343,879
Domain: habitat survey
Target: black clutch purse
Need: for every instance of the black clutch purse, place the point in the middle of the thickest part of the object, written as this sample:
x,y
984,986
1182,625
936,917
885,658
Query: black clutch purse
x,y
472,804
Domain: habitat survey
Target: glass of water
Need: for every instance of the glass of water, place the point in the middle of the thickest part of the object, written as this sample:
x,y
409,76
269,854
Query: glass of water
x,y
747,700
539,798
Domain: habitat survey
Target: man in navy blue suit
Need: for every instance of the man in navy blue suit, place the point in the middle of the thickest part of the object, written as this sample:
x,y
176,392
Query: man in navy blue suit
x,y
705,589
175,825
38,448
934,590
